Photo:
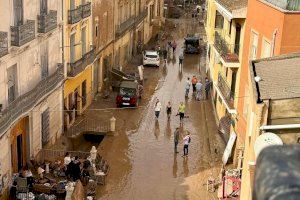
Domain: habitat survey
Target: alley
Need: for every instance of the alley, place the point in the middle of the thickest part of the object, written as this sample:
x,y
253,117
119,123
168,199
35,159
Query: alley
x,y
141,154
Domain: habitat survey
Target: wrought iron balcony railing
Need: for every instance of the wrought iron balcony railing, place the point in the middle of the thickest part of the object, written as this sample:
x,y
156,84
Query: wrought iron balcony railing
x,y
27,101
78,66
75,15
142,15
86,10
3,44
47,22
122,28
230,53
226,91
22,34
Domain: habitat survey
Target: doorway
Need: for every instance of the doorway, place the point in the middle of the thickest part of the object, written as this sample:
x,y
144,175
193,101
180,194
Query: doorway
x,y
20,152
237,39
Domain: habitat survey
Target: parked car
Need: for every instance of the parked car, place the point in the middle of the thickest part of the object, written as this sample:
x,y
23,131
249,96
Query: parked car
x,y
151,58
129,94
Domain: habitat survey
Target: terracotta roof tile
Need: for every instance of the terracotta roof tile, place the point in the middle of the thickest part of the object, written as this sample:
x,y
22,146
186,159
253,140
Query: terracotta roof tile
x,y
233,4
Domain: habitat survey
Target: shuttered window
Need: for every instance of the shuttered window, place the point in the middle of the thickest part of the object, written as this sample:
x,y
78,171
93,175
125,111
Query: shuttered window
x,y
18,12
45,127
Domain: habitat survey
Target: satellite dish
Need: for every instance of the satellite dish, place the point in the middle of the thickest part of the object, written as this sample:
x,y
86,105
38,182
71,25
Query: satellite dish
x,y
265,140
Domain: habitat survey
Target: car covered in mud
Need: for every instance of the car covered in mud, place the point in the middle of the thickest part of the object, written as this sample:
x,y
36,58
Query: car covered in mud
x,y
129,94
192,45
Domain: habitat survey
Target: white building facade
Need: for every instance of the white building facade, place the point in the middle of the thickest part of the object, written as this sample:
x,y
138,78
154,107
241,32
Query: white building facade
x,y
31,78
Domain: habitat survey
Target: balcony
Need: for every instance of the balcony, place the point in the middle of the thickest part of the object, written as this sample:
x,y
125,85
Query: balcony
x,y
123,27
3,44
229,53
27,101
47,22
226,91
142,15
77,67
75,15
22,34
86,10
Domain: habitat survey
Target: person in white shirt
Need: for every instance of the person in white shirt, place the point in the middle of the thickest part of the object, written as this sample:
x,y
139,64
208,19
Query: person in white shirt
x,y
157,108
199,90
187,87
186,142
67,159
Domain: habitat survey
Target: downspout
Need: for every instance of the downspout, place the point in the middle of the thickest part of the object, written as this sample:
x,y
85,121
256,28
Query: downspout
x,y
63,63
282,126
274,41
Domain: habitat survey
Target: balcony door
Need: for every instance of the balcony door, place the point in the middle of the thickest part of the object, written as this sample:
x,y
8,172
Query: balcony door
x,y
233,82
237,39
18,12
72,48
44,60
72,4
12,83
44,6
83,41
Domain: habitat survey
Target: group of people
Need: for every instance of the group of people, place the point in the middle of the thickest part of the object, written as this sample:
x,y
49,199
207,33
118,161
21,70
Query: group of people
x,y
186,142
180,113
72,167
197,88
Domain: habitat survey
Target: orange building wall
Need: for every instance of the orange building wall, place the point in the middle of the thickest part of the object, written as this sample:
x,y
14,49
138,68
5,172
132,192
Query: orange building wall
x,y
264,20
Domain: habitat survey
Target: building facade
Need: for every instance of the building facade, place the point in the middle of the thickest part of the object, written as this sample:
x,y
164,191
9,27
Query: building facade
x,y
31,78
79,55
274,110
264,38
225,27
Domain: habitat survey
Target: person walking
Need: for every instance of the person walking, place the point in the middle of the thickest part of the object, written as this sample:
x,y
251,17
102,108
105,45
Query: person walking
x,y
176,139
157,108
181,111
207,88
194,82
186,142
181,57
187,87
174,45
169,110
198,90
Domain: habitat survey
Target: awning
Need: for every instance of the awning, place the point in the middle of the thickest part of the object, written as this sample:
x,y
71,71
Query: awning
x,y
224,128
229,146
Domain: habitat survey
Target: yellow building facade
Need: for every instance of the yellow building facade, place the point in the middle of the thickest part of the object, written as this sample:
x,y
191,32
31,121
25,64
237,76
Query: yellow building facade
x,y
225,25
79,55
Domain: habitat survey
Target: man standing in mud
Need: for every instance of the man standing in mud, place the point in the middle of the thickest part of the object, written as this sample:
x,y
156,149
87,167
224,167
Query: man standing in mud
x,y
176,139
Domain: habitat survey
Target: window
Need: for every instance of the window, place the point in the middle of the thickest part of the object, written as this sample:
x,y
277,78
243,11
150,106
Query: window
x,y
96,30
219,21
44,60
254,46
266,49
12,83
72,4
230,25
83,93
151,12
45,127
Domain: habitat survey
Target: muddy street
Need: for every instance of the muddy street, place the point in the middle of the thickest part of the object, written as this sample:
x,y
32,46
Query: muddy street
x,y
141,155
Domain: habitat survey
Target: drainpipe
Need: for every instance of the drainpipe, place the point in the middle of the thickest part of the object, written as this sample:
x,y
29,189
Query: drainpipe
x,y
283,126
63,63
273,41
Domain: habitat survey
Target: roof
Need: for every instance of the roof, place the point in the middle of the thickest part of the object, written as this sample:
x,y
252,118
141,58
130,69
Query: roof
x,y
280,77
290,5
232,5
128,84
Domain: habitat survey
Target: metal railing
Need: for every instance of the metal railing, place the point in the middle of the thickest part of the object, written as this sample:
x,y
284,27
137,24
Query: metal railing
x,y
53,155
87,125
226,90
3,43
22,34
47,22
123,27
223,47
75,15
27,101
142,15
86,10
78,66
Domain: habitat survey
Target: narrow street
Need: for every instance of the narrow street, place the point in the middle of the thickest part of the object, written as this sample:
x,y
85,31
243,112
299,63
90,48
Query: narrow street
x,y
141,154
